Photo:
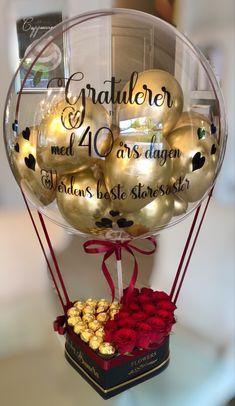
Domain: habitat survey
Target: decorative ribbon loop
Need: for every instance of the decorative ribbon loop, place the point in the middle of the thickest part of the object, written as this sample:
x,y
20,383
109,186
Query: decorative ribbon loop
x,y
59,325
114,247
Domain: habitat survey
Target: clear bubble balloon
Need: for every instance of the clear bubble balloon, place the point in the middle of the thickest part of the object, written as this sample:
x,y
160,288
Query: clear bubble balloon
x,y
122,143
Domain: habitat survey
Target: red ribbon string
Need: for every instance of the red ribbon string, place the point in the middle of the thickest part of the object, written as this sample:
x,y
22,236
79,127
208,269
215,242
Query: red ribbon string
x,y
114,247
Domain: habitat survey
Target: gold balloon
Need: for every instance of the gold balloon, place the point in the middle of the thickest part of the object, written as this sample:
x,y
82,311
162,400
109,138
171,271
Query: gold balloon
x,y
38,184
186,140
156,102
67,146
82,200
191,118
180,206
133,174
197,163
151,218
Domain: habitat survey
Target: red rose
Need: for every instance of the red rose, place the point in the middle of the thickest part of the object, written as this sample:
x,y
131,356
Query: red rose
x,y
160,295
122,314
124,340
146,291
142,299
158,327
139,316
134,307
149,309
128,323
166,305
143,335
168,318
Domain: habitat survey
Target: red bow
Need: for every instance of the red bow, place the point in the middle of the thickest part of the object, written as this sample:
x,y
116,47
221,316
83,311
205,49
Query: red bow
x,y
111,247
59,324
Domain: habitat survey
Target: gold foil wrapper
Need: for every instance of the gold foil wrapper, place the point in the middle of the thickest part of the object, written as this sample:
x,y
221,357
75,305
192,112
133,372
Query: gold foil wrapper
x,y
101,309
73,311
80,327
73,320
115,306
106,349
100,332
103,303
102,317
91,302
88,310
112,313
86,335
79,305
95,342
88,318
94,325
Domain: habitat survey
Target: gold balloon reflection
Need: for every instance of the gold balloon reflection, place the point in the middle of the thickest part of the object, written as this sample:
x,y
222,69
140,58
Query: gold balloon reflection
x,y
152,217
37,183
67,139
156,102
82,200
132,175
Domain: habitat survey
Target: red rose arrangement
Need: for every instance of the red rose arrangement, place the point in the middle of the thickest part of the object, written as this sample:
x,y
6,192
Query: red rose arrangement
x,y
144,322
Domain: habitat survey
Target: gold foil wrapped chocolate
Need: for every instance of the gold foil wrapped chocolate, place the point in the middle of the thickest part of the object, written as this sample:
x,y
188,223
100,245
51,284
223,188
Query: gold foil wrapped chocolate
x,y
86,335
95,342
79,305
89,310
73,312
103,303
88,317
101,309
100,332
91,302
94,325
102,317
106,349
80,327
115,306
73,320
112,313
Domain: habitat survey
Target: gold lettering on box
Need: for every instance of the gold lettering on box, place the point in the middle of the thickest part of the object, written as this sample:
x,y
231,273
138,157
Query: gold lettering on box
x,y
79,356
141,366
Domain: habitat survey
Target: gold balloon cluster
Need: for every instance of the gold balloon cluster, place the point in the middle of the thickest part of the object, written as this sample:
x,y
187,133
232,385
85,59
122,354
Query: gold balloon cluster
x,y
131,179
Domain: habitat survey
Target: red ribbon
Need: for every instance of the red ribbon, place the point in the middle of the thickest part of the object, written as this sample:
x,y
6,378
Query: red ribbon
x,y
114,247
59,324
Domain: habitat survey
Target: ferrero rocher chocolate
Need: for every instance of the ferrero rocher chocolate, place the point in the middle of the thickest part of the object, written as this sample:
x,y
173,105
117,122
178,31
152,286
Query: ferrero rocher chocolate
x,y
101,309
88,310
88,317
74,320
79,305
94,325
115,306
95,342
112,313
73,312
102,317
103,303
100,332
86,335
91,302
79,327
106,349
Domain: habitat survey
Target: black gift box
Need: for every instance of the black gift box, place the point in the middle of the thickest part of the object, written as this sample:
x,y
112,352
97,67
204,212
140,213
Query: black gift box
x,y
112,376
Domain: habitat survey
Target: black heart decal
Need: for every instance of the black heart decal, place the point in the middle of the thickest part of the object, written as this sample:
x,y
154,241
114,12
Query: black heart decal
x,y
15,126
26,133
114,213
17,147
213,129
30,162
213,149
124,223
201,133
104,223
198,161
